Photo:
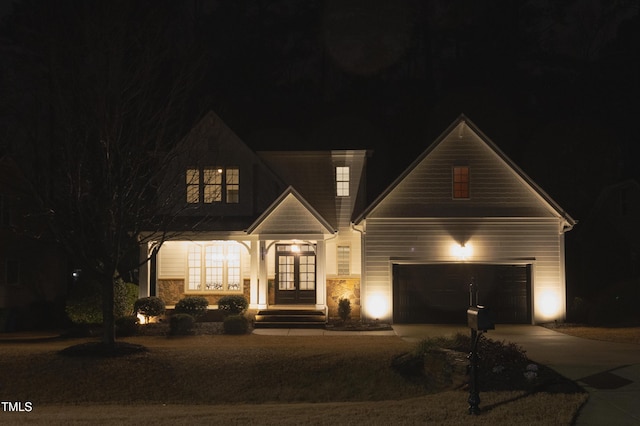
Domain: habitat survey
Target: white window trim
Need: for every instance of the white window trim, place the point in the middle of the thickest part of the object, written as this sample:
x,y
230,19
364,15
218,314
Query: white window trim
x,y
343,181
203,266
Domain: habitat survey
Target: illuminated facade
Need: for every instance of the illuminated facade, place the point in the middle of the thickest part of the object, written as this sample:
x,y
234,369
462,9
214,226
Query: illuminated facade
x,y
293,228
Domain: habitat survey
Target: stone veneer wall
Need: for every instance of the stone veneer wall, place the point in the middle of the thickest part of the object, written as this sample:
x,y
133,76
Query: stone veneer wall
x,y
171,291
338,288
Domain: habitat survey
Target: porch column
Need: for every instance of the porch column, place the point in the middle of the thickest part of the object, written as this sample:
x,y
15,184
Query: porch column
x,y
143,271
263,287
321,275
255,263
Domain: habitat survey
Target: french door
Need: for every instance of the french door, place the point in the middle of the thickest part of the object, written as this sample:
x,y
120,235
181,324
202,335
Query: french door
x,y
295,274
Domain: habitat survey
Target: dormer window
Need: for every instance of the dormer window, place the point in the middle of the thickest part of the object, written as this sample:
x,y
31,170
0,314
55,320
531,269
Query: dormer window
x,y
213,185
342,181
461,182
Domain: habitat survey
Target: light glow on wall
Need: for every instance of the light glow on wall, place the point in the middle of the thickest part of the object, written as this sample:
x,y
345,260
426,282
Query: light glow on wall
x,y
461,251
141,318
549,304
377,306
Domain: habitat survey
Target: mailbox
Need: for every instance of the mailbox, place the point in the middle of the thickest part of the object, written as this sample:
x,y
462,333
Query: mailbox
x,y
479,318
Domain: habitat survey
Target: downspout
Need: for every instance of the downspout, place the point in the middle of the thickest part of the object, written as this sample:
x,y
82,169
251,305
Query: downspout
x,y
362,233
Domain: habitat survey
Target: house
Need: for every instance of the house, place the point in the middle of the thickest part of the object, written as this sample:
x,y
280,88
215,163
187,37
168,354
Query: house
x,y
294,229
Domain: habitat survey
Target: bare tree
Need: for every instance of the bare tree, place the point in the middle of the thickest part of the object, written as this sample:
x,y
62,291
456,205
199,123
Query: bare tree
x,y
110,85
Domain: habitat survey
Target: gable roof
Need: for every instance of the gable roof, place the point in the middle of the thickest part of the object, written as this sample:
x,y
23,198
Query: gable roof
x,y
304,215
551,205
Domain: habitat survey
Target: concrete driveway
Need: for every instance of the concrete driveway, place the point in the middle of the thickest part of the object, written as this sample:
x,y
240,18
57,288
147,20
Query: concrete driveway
x,y
610,372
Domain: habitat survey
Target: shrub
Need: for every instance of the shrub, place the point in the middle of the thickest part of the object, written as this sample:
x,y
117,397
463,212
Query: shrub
x,y
125,296
233,304
127,326
149,307
344,309
196,306
84,305
235,324
181,324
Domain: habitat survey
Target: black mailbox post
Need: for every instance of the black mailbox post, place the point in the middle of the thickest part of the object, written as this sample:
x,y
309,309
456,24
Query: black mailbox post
x,y
480,320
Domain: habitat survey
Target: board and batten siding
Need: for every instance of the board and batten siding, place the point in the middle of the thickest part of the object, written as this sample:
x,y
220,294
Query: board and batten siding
x,y
493,241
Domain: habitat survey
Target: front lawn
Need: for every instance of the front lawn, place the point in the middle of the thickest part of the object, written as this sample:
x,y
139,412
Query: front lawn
x,y
256,379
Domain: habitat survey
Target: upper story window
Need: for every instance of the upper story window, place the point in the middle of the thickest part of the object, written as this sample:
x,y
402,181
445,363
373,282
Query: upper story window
x,y
461,182
213,185
342,181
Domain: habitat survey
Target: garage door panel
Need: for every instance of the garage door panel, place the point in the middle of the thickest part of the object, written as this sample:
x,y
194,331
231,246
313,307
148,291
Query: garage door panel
x,y
440,293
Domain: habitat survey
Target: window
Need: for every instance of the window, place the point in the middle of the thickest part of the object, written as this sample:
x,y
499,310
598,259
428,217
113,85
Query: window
x,y
342,181
344,260
214,267
233,185
460,182
213,185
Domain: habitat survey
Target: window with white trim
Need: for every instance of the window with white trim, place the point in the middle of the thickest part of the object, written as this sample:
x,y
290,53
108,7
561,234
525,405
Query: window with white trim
x,y
342,181
214,267
344,260
460,182
213,185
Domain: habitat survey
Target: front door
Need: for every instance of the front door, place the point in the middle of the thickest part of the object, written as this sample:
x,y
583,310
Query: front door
x,y
295,274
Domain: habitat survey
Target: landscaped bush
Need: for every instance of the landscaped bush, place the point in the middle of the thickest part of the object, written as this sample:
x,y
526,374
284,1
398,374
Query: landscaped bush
x,y
236,324
125,296
196,306
181,324
149,307
233,304
127,326
344,309
502,366
84,305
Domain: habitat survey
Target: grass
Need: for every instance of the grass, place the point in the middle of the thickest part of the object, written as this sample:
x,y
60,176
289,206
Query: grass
x,y
607,334
255,379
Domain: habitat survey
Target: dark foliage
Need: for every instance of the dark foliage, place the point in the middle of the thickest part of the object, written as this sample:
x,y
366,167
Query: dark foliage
x,y
127,326
181,325
236,324
503,366
233,304
196,306
344,309
152,306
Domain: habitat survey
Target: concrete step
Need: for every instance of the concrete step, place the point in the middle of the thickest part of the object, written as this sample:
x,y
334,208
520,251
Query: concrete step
x,y
286,318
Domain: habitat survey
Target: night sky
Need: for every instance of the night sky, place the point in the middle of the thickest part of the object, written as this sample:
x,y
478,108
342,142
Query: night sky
x,y
555,84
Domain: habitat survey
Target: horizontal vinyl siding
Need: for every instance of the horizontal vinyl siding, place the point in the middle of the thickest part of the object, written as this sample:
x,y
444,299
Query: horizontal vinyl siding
x,y
172,259
495,189
512,241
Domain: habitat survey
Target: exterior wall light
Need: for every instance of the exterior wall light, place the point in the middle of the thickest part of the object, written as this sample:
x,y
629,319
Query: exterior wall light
x,y
462,251
548,304
377,306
